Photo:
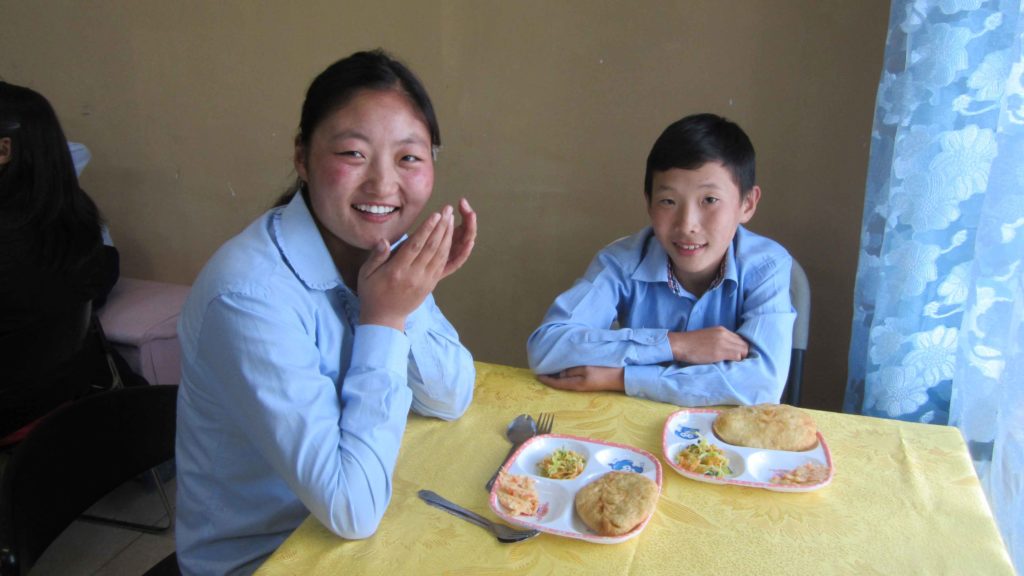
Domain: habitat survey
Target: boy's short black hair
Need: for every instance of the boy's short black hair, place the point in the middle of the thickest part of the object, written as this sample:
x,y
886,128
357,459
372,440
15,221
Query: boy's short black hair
x,y
698,139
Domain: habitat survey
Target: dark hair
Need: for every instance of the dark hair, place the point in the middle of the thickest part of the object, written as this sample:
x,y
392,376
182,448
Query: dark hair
x,y
698,139
339,83
39,193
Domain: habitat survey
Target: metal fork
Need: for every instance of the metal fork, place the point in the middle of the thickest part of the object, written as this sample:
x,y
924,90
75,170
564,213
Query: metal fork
x,y
545,422
505,534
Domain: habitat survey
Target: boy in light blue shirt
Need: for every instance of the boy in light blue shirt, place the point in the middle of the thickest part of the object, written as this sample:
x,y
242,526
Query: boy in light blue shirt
x,y
693,310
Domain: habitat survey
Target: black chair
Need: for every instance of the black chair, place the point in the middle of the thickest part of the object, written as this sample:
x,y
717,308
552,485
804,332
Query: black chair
x,y
75,456
166,567
800,293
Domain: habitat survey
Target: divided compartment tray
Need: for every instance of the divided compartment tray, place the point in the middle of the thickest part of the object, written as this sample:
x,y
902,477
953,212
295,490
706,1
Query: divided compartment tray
x,y
556,512
751,467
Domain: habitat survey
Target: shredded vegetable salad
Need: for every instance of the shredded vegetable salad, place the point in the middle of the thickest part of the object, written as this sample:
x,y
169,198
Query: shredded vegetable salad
x,y
704,458
562,464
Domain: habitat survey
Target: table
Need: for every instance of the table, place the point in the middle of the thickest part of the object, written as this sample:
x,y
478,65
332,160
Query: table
x,y
904,500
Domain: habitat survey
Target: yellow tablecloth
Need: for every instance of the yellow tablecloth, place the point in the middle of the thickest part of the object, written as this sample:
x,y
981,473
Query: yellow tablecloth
x,y
904,500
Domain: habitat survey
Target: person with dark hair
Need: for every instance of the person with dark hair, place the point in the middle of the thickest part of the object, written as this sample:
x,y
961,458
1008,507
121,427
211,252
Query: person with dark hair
x,y
307,338
54,270
701,303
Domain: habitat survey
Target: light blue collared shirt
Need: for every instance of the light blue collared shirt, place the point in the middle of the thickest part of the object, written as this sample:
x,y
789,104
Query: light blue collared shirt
x,y
80,156
288,406
628,281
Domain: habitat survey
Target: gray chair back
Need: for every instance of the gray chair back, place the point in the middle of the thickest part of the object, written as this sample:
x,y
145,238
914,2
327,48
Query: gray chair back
x,y
800,293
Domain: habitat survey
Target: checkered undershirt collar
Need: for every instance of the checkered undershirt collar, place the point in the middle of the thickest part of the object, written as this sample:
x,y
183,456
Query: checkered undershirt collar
x,y
677,288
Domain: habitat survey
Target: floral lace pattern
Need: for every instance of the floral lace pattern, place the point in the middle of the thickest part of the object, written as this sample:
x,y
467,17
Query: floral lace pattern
x,y
938,327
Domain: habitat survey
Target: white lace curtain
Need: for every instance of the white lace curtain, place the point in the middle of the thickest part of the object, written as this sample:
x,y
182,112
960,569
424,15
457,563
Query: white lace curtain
x,y
938,330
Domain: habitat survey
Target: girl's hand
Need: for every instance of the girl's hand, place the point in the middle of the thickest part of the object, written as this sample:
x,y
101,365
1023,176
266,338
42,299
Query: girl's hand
x,y
463,239
391,286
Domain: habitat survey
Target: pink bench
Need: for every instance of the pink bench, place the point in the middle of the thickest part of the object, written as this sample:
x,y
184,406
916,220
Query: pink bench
x,y
140,319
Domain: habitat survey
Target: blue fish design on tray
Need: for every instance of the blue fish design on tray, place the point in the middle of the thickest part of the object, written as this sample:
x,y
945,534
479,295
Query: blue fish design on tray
x,y
687,433
626,465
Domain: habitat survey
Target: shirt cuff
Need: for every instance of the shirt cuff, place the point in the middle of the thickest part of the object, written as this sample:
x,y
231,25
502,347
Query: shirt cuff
x,y
418,319
652,346
378,347
642,381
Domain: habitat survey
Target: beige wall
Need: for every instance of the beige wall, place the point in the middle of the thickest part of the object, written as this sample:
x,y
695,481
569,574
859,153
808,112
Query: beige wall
x,y
547,109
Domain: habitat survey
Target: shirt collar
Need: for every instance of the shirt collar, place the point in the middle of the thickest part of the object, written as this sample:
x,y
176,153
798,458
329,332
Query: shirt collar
x,y
652,263
303,247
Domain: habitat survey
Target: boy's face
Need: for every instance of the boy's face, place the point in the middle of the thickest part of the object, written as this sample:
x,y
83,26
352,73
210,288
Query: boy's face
x,y
695,214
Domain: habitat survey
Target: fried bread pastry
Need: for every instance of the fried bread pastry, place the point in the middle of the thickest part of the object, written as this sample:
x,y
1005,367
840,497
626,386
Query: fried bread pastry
x,y
771,426
616,502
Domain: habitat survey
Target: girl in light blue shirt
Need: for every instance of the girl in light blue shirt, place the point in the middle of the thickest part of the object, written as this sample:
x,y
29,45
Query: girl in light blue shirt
x,y
308,337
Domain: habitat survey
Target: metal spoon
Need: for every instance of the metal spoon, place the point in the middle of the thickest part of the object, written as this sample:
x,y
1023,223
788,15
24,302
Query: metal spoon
x,y
505,534
520,430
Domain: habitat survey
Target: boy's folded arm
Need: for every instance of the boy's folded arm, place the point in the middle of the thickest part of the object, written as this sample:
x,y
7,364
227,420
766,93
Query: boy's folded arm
x,y
767,328
759,378
577,331
720,383
556,346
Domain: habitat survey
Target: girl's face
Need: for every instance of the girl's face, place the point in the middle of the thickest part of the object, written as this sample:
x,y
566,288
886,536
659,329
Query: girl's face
x,y
369,170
